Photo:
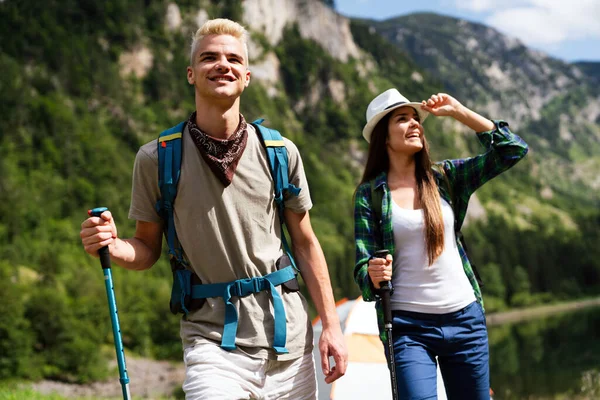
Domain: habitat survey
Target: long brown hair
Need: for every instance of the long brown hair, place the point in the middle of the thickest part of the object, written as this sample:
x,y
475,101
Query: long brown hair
x,y
427,190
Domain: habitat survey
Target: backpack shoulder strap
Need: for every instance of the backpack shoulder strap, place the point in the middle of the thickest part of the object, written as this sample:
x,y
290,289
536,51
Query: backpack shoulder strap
x,y
278,161
278,164
169,168
376,205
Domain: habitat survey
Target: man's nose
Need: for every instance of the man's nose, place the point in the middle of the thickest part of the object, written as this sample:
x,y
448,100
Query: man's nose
x,y
223,65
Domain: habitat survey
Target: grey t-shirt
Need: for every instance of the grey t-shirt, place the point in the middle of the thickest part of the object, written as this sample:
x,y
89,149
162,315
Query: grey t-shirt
x,y
228,234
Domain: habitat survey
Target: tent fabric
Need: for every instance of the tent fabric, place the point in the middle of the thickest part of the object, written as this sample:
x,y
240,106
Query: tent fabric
x,y
367,375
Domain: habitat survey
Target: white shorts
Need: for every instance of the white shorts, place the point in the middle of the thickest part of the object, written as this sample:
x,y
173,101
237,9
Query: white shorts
x,y
213,373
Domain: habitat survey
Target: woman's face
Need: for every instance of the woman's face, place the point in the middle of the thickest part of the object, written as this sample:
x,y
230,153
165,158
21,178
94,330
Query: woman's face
x,y
405,132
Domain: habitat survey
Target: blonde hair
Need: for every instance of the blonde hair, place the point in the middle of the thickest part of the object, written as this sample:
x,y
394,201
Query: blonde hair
x,y
219,26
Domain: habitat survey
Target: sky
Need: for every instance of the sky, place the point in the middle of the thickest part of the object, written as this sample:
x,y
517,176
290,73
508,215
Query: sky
x,y
565,29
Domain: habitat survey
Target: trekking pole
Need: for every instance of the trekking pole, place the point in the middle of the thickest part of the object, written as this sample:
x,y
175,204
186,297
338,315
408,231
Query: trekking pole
x,y
112,305
386,288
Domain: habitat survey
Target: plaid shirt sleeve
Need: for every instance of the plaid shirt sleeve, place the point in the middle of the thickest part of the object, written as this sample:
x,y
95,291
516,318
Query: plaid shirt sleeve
x,y
364,234
503,150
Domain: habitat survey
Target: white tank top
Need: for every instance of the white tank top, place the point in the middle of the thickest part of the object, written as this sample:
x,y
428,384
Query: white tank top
x,y
440,288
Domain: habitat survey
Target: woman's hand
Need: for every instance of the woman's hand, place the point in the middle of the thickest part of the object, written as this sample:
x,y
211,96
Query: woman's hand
x,y
442,105
380,269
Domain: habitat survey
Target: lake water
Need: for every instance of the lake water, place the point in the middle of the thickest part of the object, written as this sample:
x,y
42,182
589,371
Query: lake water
x,y
556,357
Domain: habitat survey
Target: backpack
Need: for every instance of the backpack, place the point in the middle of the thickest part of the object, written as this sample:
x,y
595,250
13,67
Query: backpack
x,y
187,292
376,204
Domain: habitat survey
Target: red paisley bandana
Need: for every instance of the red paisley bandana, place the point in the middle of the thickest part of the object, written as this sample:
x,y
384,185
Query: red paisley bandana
x,y
221,155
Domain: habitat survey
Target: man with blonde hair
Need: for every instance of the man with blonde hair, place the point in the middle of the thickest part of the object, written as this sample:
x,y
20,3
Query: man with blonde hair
x,y
229,229
220,26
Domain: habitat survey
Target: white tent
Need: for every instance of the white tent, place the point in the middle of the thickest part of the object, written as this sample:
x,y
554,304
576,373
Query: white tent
x,y
367,376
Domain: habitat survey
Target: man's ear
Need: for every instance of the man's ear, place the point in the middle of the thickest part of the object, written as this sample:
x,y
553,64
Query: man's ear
x,y
190,76
247,78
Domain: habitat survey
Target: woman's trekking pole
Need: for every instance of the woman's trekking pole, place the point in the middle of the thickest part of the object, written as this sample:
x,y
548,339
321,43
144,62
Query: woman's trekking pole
x,y
112,305
386,289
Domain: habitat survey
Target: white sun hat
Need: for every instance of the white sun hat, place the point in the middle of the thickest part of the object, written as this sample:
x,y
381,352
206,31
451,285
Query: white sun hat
x,y
387,102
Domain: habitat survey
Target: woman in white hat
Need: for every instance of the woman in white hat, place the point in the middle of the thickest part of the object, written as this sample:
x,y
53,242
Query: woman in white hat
x,y
414,209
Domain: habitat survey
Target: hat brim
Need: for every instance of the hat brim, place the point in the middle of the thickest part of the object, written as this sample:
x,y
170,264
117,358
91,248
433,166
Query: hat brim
x,y
368,129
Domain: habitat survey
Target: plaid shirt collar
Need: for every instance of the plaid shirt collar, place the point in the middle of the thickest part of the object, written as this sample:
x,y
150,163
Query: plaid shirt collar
x,y
381,179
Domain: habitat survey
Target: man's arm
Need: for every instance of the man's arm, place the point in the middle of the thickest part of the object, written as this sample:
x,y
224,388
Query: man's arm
x,y
137,253
312,265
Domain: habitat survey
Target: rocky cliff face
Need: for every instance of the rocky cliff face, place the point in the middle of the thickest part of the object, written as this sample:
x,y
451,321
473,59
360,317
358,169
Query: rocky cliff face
x,y
315,21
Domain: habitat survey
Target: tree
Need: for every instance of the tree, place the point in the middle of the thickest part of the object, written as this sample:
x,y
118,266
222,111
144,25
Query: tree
x,y
494,291
521,288
16,338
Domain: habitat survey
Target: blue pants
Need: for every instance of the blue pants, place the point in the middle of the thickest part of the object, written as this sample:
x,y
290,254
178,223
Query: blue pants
x,y
460,342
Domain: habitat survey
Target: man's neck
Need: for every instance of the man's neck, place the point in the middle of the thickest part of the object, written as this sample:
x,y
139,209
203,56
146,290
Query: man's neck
x,y
218,120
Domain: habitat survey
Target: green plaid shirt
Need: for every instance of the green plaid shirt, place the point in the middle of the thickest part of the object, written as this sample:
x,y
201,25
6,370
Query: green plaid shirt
x,y
504,149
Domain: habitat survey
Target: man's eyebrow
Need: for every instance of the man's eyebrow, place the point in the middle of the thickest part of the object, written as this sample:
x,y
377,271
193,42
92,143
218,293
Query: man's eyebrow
x,y
214,53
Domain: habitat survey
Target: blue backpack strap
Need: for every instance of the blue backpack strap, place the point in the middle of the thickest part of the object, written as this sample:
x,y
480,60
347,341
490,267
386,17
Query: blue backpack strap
x,y
278,164
244,287
169,168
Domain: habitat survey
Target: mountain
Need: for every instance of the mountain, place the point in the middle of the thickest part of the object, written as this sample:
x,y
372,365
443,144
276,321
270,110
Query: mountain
x,y
556,104
482,65
590,68
86,83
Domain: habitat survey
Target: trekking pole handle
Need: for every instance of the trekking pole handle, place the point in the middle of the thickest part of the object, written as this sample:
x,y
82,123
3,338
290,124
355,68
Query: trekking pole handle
x,y
384,285
103,252
386,289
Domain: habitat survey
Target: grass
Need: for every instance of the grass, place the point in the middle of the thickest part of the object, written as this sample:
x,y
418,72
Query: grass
x,y
20,391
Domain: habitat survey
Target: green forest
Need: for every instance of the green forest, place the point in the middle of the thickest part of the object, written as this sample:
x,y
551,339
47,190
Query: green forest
x,y
71,125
